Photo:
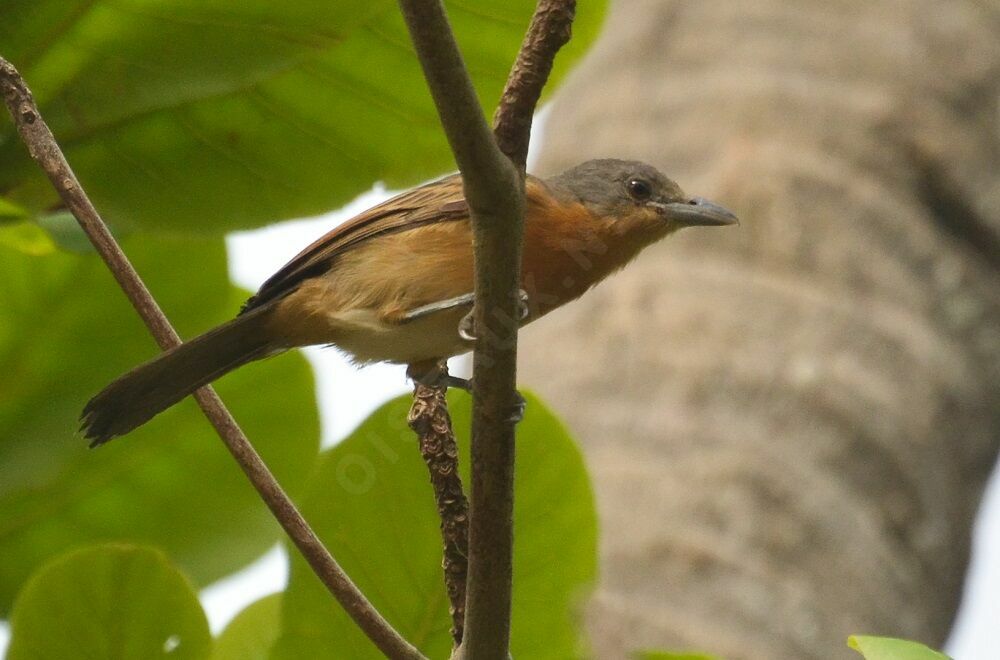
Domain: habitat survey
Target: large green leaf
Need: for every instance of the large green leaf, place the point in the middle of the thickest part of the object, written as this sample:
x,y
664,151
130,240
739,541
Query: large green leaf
x,y
10,211
112,602
65,332
250,635
212,114
26,237
370,500
889,648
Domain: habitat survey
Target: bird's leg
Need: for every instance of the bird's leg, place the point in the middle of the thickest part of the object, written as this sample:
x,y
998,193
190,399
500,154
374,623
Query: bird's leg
x,y
467,331
434,373
441,378
464,300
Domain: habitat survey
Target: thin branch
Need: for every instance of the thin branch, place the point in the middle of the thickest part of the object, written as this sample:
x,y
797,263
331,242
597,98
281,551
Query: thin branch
x,y
494,189
430,421
43,148
550,30
495,192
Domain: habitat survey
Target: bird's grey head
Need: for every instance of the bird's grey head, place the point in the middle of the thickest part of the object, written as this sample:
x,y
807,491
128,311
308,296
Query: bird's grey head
x,y
612,187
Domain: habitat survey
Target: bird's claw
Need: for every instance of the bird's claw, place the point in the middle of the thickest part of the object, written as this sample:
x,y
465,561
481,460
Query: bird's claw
x,y
522,305
436,375
467,326
516,410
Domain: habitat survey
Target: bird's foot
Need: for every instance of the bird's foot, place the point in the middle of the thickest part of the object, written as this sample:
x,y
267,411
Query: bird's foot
x,y
435,374
516,411
467,326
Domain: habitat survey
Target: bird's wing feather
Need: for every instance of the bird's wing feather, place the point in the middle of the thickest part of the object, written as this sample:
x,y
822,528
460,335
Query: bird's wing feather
x,y
441,200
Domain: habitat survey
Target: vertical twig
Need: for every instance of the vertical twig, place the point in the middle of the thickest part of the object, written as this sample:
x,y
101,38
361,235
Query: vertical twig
x,y
429,419
45,150
492,168
494,190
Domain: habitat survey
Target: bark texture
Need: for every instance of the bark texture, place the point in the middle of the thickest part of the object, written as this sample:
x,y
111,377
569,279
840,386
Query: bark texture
x,y
430,420
789,423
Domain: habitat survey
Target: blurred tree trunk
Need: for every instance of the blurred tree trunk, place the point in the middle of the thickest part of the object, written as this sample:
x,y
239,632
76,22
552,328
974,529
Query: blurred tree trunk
x,y
789,423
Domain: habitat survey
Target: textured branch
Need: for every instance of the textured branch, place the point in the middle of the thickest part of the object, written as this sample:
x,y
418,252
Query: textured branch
x,y
43,148
430,420
494,188
550,30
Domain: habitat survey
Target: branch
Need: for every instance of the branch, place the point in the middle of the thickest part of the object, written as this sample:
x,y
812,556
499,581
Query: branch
x,y
43,148
550,30
430,420
495,193
494,189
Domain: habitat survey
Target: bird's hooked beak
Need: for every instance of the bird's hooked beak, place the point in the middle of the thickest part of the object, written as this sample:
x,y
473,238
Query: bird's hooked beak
x,y
698,211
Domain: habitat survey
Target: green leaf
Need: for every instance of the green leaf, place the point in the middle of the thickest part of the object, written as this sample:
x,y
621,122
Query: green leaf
x,y
65,332
10,211
210,115
26,237
252,633
371,501
118,602
889,648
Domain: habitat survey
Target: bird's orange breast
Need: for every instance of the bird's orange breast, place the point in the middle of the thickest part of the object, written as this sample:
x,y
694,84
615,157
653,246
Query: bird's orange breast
x,y
568,249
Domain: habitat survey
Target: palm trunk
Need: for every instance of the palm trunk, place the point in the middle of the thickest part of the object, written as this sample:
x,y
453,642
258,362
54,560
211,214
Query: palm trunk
x,y
790,423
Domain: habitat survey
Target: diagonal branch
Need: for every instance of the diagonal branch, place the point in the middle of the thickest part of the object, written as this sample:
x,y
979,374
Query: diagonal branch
x,y
492,170
550,30
43,148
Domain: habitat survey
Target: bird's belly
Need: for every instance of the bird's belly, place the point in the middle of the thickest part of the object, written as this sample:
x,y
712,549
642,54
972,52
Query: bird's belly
x,y
367,338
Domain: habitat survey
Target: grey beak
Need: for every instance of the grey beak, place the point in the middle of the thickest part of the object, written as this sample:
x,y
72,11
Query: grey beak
x,y
700,212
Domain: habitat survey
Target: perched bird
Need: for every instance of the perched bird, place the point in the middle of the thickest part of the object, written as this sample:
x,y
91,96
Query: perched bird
x,y
394,283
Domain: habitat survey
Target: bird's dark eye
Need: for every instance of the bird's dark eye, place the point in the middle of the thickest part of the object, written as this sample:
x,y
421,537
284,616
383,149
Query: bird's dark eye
x,y
639,189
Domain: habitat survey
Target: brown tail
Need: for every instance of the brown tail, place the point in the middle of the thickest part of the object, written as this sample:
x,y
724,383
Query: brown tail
x,y
133,399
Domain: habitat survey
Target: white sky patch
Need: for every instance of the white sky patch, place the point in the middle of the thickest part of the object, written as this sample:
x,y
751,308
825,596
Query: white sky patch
x,y
224,599
976,633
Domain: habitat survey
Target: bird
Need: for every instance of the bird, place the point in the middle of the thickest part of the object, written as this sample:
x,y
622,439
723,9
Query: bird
x,y
395,283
